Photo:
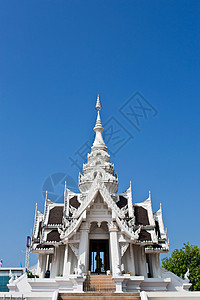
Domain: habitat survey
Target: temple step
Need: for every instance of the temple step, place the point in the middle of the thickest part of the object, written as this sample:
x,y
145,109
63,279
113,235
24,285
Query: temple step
x,y
99,287
99,283
99,296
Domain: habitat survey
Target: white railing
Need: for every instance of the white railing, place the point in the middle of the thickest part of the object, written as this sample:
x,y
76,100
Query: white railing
x,y
8,296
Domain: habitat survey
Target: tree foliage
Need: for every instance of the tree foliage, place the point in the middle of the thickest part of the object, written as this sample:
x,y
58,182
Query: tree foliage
x,y
181,260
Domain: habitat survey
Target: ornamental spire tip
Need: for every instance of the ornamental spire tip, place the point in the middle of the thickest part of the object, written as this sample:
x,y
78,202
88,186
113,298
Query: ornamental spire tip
x,y
98,142
98,104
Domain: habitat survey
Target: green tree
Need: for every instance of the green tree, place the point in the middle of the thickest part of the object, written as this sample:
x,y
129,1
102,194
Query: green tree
x,y
181,260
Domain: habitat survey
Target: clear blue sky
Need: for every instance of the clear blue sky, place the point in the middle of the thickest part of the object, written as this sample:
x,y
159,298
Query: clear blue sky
x,y
55,56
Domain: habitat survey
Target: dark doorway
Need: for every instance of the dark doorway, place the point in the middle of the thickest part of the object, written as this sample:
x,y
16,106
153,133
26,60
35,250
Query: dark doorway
x,y
99,256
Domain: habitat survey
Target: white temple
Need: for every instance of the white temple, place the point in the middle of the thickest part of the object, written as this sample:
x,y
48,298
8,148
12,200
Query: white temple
x,y
100,232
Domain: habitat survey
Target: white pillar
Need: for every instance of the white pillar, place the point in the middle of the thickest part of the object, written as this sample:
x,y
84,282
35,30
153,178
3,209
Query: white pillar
x,y
142,262
114,247
155,265
54,264
66,270
83,249
48,262
158,265
41,267
132,260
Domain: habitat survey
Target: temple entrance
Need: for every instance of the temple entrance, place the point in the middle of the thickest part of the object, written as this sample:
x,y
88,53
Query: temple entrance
x,y
99,256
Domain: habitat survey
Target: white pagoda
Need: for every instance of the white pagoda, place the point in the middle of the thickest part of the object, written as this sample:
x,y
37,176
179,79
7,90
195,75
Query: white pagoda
x,y
100,233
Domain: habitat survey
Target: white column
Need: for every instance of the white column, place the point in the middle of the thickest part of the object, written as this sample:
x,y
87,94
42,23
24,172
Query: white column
x,y
155,265
41,267
132,260
83,249
142,262
54,264
114,247
66,270
158,265
48,262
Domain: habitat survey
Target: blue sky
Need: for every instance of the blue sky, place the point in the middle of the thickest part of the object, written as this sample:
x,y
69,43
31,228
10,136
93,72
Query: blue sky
x,y
55,57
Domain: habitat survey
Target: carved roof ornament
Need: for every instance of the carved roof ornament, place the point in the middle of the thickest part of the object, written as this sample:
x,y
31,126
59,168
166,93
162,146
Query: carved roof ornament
x,y
149,194
123,248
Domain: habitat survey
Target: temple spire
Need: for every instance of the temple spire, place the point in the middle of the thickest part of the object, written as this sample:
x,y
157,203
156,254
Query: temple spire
x,y
98,104
98,142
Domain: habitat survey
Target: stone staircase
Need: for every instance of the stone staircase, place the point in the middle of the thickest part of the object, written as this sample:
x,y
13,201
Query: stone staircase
x,y
99,296
99,283
99,287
